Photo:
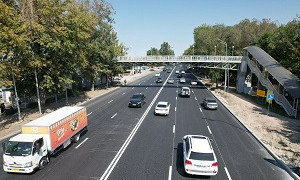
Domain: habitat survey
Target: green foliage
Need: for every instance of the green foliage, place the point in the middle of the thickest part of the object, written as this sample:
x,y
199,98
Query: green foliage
x,y
153,52
57,39
283,44
245,33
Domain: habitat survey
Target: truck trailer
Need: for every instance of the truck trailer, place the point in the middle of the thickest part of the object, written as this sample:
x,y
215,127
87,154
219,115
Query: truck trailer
x,y
42,138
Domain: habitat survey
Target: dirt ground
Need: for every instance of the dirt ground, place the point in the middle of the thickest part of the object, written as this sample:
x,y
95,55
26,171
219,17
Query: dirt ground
x,y
279,133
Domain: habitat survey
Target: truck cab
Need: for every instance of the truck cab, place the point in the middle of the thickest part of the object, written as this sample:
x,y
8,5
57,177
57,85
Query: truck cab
x,y
24,153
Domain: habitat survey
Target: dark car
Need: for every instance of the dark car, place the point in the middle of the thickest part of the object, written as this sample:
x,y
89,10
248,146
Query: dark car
x,y
169,71
179,76
137,100
159,80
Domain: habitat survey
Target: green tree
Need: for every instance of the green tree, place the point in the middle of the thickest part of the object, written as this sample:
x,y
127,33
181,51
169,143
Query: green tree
x,y
165,49
153,51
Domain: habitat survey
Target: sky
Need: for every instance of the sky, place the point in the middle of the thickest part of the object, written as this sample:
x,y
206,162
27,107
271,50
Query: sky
x,y
142,24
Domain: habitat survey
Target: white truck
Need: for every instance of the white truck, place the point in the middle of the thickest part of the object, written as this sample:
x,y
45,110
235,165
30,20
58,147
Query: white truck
x,y
42,138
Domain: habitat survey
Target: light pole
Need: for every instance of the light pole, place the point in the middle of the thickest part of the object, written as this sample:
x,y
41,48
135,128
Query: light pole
x,y
226,68
193,50
215,50
232,50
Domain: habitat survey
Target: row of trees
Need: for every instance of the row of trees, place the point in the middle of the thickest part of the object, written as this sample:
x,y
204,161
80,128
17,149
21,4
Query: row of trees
x,y
57,40
281,42
165,49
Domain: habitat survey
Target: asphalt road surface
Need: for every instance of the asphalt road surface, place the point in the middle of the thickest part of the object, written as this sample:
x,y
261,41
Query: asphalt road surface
x,y
133,143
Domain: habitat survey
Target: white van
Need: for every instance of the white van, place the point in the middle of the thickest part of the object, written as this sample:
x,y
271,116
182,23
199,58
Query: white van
x,y
185,91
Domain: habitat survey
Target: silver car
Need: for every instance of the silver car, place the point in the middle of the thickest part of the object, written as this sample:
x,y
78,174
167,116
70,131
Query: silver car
x,y
170,81
210,103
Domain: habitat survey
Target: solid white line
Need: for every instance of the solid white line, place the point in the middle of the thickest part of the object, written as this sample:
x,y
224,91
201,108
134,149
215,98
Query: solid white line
x,y
81,143
110,101
89,113
192,91
209,129
113,116
173,129
170,173
195,98
176,97
175,109
200,109
117,157
228,175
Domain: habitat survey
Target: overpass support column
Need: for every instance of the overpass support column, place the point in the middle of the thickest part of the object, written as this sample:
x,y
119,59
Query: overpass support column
x,y
242,71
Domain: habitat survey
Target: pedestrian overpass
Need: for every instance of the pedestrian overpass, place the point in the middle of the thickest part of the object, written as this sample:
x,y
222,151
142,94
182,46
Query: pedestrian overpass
x,y
255,62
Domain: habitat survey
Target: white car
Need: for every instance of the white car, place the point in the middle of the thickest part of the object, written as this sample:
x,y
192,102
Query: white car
x,y
182,80
157,74
162,108
193,83
198,156
182,72
176,72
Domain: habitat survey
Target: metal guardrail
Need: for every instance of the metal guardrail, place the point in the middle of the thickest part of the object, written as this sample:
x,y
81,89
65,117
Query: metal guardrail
x,y
202,58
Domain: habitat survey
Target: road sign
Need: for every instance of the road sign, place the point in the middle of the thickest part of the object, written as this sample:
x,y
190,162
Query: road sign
x,y
270,96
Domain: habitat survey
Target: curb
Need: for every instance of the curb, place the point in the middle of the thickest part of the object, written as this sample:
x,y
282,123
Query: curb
x,y
9,135
284,166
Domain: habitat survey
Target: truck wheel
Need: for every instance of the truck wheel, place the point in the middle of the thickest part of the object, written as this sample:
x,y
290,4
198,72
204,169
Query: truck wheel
x,y
77,137
43,163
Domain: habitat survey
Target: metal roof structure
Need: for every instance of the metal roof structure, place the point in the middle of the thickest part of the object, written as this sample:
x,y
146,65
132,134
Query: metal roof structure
x,y
288,80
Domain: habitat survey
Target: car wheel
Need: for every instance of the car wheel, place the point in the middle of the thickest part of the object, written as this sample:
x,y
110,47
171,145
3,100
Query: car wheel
x,y
43,163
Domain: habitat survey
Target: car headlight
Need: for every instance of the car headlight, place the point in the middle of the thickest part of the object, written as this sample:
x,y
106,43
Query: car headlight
x,y
29,164
139,102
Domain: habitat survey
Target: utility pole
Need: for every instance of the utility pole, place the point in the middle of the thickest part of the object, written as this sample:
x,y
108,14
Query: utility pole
x,y
16,96
35,72
226,68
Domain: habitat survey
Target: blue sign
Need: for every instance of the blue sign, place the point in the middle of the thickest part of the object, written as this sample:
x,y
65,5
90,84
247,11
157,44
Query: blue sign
x,y
270,96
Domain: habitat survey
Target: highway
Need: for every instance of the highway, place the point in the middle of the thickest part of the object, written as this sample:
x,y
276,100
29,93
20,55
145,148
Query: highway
x,y
133,143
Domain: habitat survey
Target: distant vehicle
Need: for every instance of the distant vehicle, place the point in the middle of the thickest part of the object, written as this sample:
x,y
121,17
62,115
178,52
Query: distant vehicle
x,y
164,69
198,156
170,81
210,103
193,83
182,72
185,91
169,70
159,80
177,72
182,80
179,76
151,69
162,108
42,138
157,74
137,100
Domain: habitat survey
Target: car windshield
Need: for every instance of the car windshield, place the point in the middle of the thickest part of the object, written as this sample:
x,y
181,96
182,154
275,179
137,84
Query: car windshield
x,y
211,100
18,148
202,156
161,105
136,96
170,79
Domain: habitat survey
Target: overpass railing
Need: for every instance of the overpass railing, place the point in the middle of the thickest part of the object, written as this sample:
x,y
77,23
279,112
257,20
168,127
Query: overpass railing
x,y
202,58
